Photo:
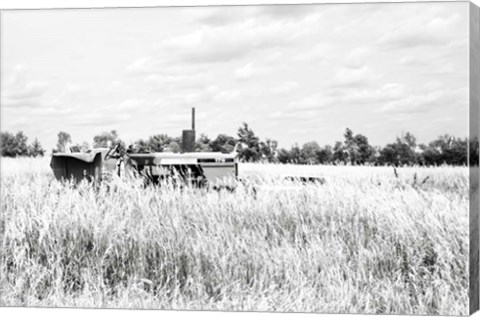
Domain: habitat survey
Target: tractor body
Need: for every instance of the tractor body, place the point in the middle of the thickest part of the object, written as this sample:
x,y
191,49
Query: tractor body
x,y
198,168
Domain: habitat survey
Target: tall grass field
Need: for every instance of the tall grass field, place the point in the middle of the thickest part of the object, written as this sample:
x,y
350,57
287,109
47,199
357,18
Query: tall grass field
x,y
367,240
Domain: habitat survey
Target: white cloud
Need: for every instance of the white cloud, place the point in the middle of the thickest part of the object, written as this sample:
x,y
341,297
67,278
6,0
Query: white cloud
x,y
353,98
316,54
274,57
371,96
285,87
140,66
311,102
28,90
248,71
101,120
19,91
244,72
446,69
196,97
353,77
180,80
286,118
227,95
411,61
211,96
438,31
130,105
428,102
357,57
215,43
444,22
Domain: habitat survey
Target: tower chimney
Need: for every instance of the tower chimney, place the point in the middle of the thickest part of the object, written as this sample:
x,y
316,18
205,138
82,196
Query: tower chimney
x,y
188,136
193,118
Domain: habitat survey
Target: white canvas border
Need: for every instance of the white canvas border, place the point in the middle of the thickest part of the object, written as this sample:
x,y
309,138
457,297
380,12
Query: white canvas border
x,y
45,4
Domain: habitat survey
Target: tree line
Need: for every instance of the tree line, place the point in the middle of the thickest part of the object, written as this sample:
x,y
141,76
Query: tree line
x,y
13,145
354,149
404,151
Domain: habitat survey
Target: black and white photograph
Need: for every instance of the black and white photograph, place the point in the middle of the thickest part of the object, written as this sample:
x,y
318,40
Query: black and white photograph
x,y
313,158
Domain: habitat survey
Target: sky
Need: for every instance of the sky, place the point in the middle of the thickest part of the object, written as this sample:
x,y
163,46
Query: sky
x,y
294,73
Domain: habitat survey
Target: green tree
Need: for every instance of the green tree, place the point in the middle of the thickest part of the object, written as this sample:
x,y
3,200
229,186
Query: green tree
x,y
351,146
173,147
446,149
13,145
107,139
139,146
358,149
402,152
365,152
296,154
284,156
309,153
8,143
249,144
340,153
35,149
325,155
203,144
223,143
268,150
85,146
63,139
159,142
389,155
292,156
22,147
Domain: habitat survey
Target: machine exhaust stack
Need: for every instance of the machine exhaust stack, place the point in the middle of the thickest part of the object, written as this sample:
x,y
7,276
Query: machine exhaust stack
x,y
188,136
193,118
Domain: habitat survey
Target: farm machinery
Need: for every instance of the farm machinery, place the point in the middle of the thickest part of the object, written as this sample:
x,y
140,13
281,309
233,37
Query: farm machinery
x,y
199,169
195,168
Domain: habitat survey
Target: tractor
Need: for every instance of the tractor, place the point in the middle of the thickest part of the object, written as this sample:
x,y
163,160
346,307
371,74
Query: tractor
x,y
194,168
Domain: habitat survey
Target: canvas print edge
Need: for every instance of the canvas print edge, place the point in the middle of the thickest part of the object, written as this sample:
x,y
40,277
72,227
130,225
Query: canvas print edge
x,y
474,131
474,171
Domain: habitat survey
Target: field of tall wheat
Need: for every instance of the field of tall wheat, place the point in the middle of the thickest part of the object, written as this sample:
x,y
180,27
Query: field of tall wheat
x,y
368,240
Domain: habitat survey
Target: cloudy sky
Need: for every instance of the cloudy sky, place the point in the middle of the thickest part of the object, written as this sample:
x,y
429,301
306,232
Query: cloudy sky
x,y
294,73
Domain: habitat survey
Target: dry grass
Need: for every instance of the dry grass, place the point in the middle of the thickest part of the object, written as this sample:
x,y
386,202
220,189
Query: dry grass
x,y
365,241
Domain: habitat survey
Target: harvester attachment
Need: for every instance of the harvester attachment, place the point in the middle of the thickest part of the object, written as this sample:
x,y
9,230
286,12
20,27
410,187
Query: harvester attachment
x,y
91,166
